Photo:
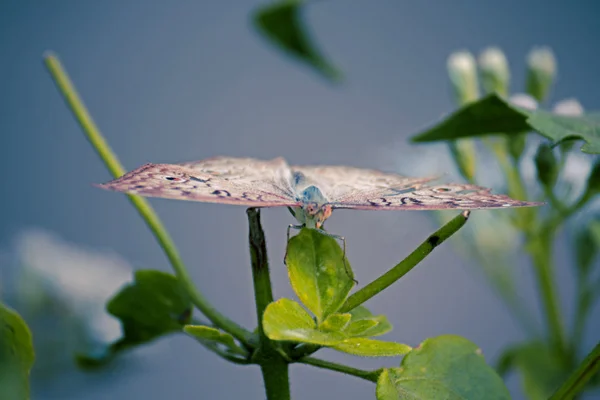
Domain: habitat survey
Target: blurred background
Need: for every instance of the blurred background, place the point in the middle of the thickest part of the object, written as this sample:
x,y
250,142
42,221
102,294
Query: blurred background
x,y
179,81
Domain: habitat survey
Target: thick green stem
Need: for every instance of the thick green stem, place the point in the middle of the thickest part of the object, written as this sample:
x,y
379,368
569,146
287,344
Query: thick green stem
x,y
407,264
576,382
360,373
67,89
260,265
274,367
276,377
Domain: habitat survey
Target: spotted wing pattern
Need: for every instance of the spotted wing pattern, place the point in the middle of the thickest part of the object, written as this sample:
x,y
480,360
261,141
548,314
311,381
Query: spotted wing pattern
x,y
241,181
339,182
348,187
438,197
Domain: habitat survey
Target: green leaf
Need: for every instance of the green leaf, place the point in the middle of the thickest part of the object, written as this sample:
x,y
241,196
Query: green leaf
x,y
365,324
495,115
336,322
282,25
285,319
155,304
540,369
207,333
319,273
371,347
16,355
444,367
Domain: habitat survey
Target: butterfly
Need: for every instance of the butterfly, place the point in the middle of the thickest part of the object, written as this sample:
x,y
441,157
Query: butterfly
x,y
311,193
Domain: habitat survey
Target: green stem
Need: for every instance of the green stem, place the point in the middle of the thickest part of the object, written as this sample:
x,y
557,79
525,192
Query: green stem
x,y
260,266
360,373
67,89
407,264
274,367
540,248
577,380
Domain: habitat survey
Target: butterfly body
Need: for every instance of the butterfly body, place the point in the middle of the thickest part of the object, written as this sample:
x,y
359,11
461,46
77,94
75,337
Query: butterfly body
x,y
311,192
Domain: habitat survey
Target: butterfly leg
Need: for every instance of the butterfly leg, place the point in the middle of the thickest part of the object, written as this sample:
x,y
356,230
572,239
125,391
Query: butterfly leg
x,y
290,226
343,240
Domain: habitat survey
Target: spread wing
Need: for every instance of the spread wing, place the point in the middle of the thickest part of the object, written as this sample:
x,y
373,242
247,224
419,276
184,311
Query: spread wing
x,y
439,197
227,180
340,183
356,188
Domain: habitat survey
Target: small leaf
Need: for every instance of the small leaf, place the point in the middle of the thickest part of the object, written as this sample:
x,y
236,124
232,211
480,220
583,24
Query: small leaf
x,y
207,333
561,127
281,23
287,320
155,304
489,115
365,324
319,273
336,322
371,347
444,367
546,165
495,115
16,355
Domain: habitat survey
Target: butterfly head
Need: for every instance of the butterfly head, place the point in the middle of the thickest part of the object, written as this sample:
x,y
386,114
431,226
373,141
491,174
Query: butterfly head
x,y
315,208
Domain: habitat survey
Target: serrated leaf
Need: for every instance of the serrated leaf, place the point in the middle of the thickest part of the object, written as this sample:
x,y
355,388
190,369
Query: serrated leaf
x,y
287,320
495,115
155,304
371,347
319,273
16,355
282,25
336,322
444,367
365,324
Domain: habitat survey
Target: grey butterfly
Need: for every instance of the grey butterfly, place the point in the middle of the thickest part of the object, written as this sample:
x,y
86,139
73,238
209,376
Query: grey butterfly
x,y
310,192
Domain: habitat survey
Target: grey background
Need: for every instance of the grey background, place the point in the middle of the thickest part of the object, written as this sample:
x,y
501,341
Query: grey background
x,y
184,80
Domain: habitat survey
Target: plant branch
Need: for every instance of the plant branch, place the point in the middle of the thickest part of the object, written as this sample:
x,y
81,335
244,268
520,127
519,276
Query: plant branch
x,y
407,264
67,89
578,379
274,367
360,373
260,266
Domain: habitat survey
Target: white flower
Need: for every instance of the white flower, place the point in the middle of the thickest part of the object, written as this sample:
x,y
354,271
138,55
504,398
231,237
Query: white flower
x,y
53,271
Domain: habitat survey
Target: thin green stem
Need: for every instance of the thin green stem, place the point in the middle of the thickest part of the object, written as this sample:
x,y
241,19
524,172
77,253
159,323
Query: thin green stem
x,y
407,264
370,376
576,382
67,89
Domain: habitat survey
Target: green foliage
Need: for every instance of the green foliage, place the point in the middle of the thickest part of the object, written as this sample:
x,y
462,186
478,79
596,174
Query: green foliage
x,y
448,366
547,166
281,23
539,366
286,320
16,355
319,272
155,304
495,115
443,367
